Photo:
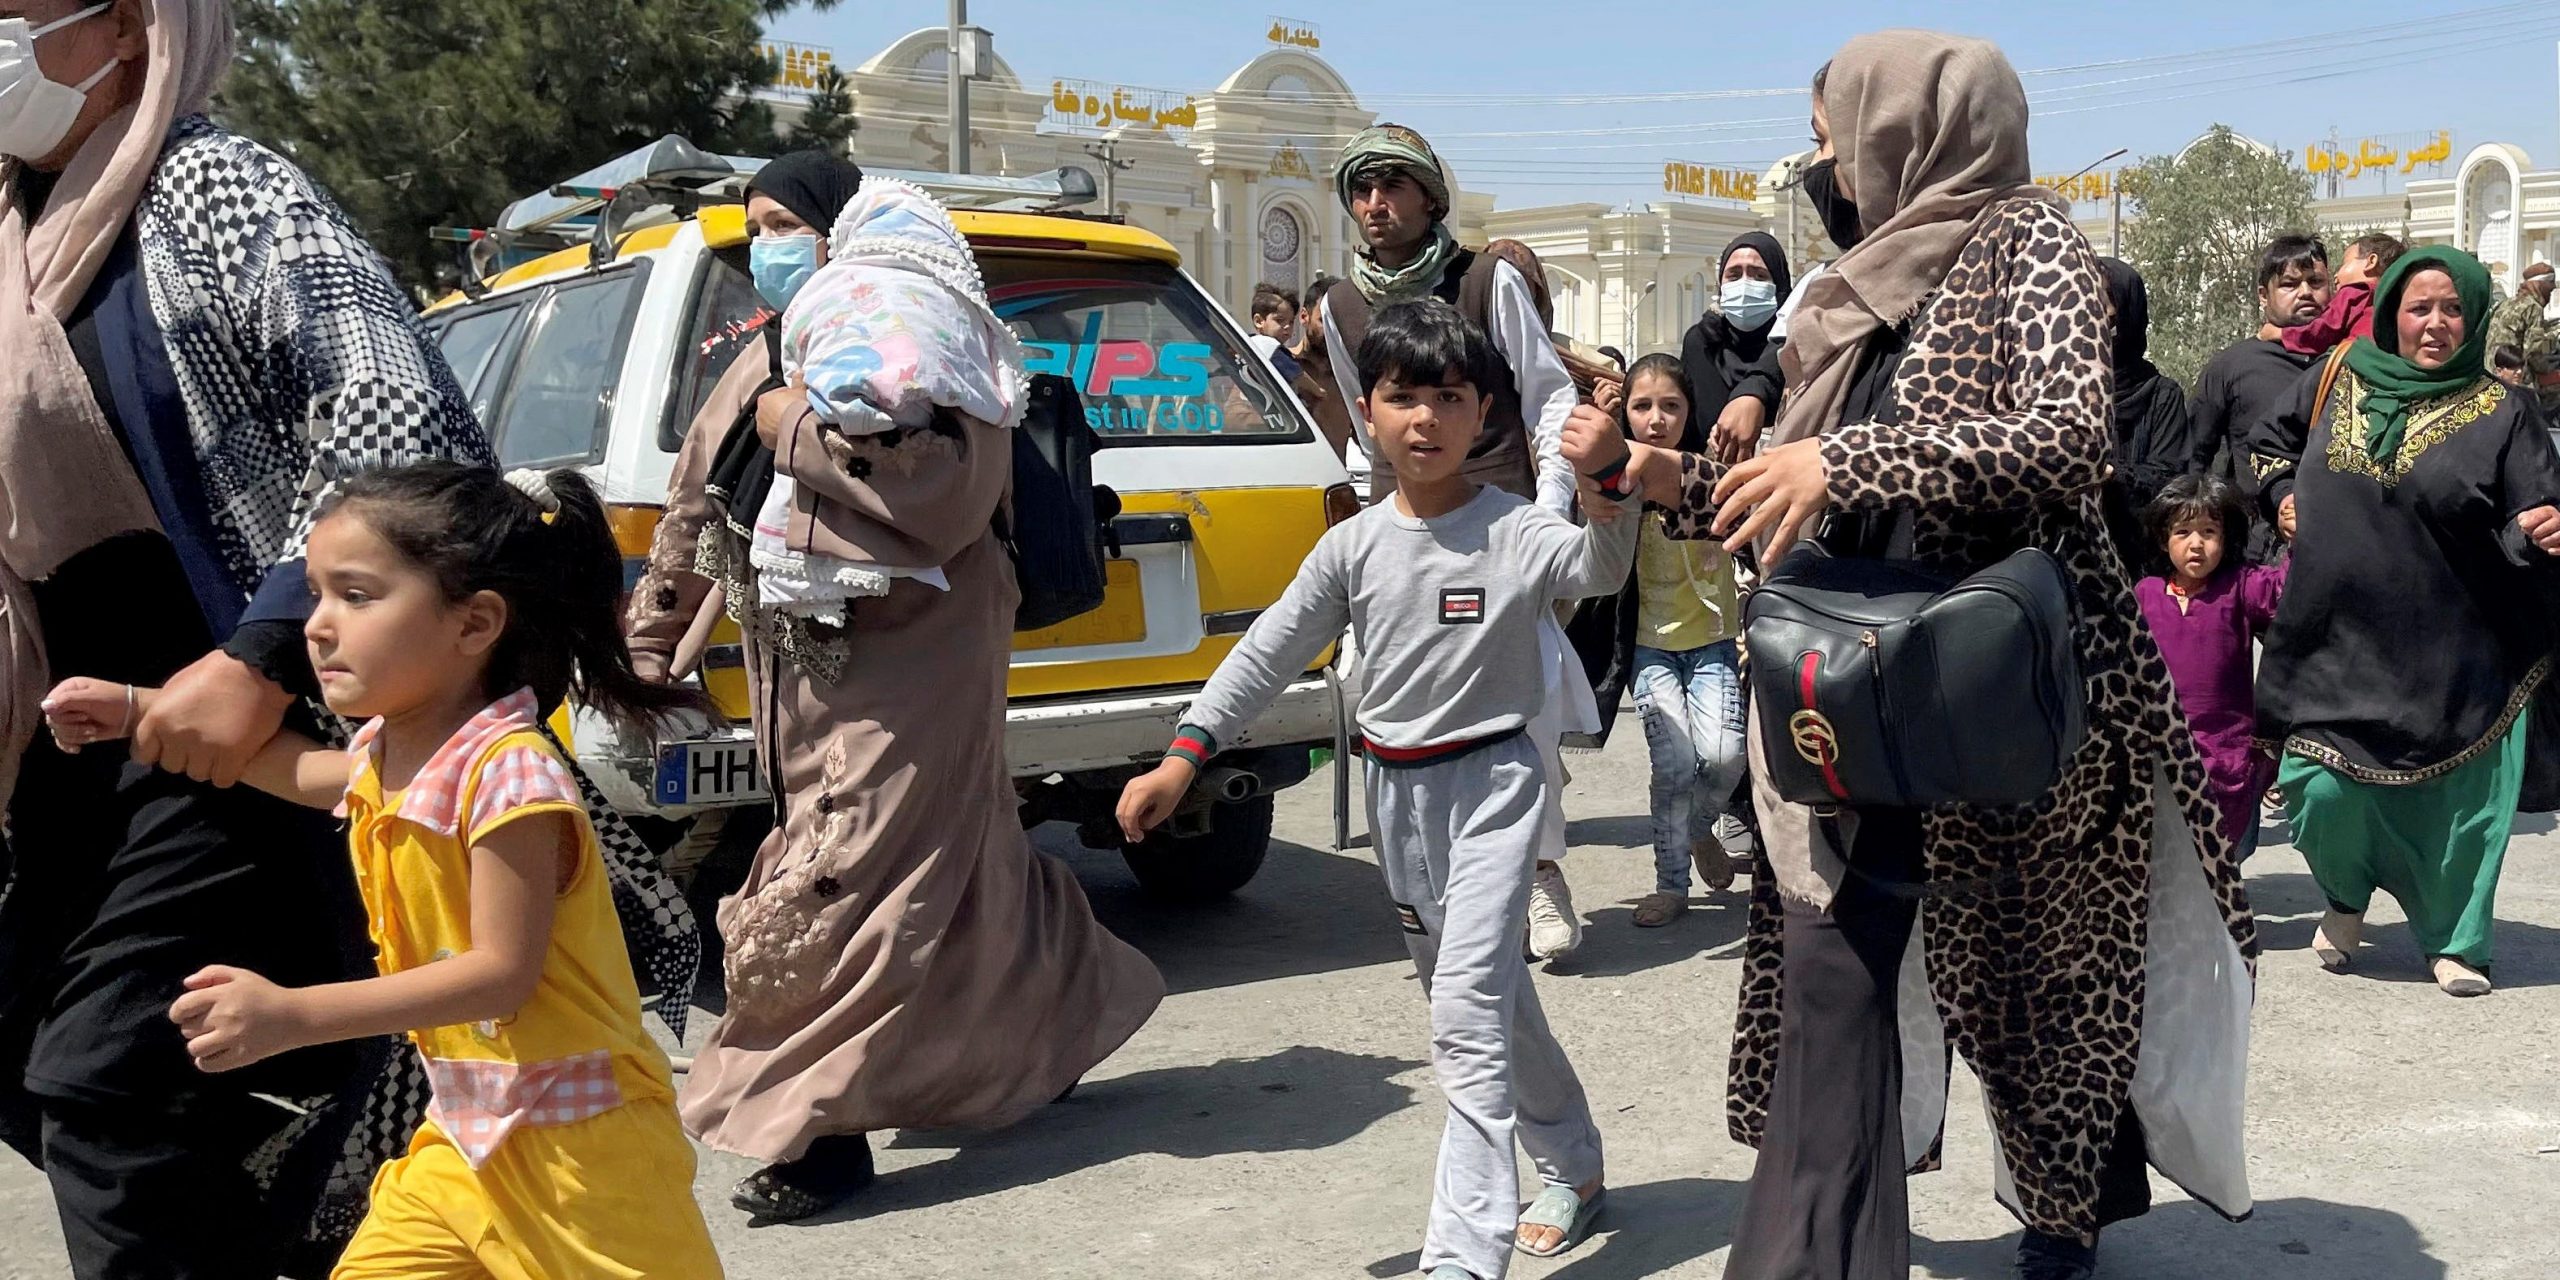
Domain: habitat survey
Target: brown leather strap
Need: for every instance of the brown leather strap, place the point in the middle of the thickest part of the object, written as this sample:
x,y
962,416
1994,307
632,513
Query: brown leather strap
x,y
2329,376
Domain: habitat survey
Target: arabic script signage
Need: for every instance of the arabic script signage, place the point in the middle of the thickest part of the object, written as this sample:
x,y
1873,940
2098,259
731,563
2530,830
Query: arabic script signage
x,y
1716,184
2370,156
797,67
1290,33
1086,107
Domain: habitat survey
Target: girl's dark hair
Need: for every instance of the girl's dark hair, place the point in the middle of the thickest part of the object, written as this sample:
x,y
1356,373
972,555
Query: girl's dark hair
x,y
2197,495
1666,365
561,577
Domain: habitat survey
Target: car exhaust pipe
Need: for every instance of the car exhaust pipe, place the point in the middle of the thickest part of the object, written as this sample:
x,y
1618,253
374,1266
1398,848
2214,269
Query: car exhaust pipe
x,y
1232,786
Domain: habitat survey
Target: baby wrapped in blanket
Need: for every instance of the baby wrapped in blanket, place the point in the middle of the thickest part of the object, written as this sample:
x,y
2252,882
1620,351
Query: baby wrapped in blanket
x,y
894,325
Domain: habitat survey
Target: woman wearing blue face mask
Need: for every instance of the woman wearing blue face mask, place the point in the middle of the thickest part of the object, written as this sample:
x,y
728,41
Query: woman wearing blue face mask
x,y
198,343
896,911
1730,355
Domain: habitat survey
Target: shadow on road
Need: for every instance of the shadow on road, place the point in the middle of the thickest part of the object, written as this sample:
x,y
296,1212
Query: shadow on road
x,y
2289,905
1307,912
2284,1240
1617,831
1300,1099
1648,1229
1613,947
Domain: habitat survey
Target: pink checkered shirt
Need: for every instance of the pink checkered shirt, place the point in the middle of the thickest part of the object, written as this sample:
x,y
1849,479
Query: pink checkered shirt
x,y
478,1103
509,780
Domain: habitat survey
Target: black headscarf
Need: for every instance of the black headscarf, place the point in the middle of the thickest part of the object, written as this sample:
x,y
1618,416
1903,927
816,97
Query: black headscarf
x,y
2136,377
1720,357
815,186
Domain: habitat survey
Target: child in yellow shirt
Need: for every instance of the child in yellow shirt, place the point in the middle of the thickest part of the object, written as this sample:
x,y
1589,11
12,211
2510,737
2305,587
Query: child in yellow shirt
x,y
455,608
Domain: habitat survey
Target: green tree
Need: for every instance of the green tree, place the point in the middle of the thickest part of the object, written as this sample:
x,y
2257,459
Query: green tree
x,y
424,113
828,124
2198,223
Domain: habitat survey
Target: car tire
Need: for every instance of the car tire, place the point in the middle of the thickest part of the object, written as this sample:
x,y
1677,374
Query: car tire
x,y
1204,868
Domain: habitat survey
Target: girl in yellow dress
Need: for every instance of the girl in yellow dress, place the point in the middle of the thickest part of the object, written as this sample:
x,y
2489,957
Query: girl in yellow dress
x,y
456,608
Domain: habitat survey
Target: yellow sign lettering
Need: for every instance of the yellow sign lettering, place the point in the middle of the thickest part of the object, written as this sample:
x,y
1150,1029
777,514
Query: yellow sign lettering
x,y
1683,179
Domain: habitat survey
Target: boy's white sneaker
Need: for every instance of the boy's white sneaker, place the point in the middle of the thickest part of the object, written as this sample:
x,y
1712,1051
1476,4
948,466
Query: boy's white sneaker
x,y
1554,930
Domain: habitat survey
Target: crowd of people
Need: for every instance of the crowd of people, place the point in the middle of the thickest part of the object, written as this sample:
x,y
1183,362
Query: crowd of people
x,y
2323,581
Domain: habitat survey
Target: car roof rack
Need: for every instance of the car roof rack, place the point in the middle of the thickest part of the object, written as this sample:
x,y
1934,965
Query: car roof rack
x,y
674,178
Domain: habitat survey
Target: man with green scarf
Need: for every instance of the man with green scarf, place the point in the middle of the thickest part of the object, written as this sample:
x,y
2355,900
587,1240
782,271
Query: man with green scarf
x,y
1392,184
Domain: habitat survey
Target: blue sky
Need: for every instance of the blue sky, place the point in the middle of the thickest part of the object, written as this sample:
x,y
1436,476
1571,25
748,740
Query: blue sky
x,y
2485,72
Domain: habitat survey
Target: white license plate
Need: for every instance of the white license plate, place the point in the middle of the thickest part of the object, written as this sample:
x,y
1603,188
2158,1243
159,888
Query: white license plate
x,y
691,773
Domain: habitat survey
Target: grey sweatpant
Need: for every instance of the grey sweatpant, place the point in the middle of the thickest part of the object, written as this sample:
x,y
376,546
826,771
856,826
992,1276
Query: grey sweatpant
x,y
1456,841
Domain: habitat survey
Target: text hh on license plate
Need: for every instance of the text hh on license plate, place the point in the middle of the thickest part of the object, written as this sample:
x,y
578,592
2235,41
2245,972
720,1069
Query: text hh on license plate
x,y
709,773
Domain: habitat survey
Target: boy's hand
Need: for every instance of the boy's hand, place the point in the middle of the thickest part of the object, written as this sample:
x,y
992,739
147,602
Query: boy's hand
x,y
2284,517
232,1017
81,711
1592,442
1150,797
1597,506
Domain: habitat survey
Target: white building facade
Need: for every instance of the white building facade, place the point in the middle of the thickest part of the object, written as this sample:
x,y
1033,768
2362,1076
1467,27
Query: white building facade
x,y
1238,180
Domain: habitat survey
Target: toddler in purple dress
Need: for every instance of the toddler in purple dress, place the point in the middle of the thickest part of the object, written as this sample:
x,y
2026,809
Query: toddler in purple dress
x,y
2204,615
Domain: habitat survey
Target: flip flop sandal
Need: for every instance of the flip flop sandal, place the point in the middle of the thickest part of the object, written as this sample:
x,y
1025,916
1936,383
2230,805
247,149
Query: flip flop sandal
x,y
1655,910
1560,1208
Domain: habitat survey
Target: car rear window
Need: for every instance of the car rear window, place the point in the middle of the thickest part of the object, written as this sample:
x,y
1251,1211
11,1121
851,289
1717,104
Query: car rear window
x,y
1151,359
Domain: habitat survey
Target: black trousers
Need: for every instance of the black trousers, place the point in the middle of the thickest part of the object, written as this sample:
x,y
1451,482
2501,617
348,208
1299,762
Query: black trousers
x,y
120,882
1827,1199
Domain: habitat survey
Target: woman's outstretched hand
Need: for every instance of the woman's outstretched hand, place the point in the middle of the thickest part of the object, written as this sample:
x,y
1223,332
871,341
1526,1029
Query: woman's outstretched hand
x,y
1776,493
2542,524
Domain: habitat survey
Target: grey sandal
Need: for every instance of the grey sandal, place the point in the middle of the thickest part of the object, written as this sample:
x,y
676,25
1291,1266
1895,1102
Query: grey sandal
x,y
1565,1210
1450,1271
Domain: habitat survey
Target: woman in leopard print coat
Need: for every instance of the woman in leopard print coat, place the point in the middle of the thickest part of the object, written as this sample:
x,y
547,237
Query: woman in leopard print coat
x,y
2088,953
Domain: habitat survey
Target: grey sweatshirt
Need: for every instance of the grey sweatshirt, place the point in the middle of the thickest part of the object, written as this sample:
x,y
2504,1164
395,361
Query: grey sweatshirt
x,y
1446,611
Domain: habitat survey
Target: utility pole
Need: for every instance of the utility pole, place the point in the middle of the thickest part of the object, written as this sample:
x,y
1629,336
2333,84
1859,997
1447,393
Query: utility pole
x,y
2115,217
1108,152
956,79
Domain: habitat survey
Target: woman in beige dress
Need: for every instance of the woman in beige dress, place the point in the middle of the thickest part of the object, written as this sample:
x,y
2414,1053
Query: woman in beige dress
x,y
899,956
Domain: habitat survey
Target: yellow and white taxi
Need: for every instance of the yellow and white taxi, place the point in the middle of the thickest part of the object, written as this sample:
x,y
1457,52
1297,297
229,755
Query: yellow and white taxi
x,y
602,314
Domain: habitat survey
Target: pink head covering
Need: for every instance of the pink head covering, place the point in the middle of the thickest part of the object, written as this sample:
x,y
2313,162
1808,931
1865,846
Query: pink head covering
x,y
65,484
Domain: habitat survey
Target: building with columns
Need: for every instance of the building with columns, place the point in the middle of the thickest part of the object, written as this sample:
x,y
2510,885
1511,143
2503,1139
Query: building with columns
x,y
1238,180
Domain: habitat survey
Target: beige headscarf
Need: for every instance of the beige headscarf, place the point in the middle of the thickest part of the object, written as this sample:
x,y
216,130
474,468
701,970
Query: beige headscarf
x,y
1930,130
65,484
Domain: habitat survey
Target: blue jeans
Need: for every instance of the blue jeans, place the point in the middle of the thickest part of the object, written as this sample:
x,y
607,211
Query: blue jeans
x,y
1691,703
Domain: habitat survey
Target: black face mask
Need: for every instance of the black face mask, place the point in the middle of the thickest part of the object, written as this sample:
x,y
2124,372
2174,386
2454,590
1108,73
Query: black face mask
x,y
1838,213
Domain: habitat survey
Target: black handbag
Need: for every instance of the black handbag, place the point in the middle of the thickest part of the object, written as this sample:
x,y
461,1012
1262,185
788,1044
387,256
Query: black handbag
x,y
1880,683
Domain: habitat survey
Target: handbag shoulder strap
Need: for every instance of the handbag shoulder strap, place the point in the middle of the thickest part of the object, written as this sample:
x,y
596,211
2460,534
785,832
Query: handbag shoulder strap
x,y
2329,376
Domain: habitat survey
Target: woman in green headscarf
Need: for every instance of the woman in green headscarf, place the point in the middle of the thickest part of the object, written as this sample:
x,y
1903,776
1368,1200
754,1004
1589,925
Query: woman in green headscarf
x,y
2417,623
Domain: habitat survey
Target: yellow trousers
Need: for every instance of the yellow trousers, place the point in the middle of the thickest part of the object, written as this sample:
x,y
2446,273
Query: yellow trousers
x,y
607,1198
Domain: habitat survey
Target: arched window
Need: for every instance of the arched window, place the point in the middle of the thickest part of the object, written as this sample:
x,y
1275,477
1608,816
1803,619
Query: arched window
x,y
1284,248
1289,86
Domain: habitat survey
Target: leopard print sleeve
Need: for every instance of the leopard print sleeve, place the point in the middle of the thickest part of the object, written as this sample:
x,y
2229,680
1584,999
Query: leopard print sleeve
x,y
2027,296
1687,516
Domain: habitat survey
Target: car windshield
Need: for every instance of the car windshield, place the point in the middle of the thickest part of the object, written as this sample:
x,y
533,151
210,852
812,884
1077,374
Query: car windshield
x,y
1150,358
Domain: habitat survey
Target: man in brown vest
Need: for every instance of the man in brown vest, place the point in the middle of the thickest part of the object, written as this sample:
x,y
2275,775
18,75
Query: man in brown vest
x,y
1391,182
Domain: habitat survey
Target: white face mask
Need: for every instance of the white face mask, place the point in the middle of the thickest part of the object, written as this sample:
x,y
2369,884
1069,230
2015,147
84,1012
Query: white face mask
x,y
1747,303
36,113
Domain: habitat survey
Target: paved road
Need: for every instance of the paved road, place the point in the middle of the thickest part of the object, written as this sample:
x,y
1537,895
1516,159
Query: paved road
x,y
1278,1117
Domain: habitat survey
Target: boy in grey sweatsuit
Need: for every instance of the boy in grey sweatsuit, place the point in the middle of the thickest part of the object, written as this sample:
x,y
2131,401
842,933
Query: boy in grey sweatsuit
x,y
1444,586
